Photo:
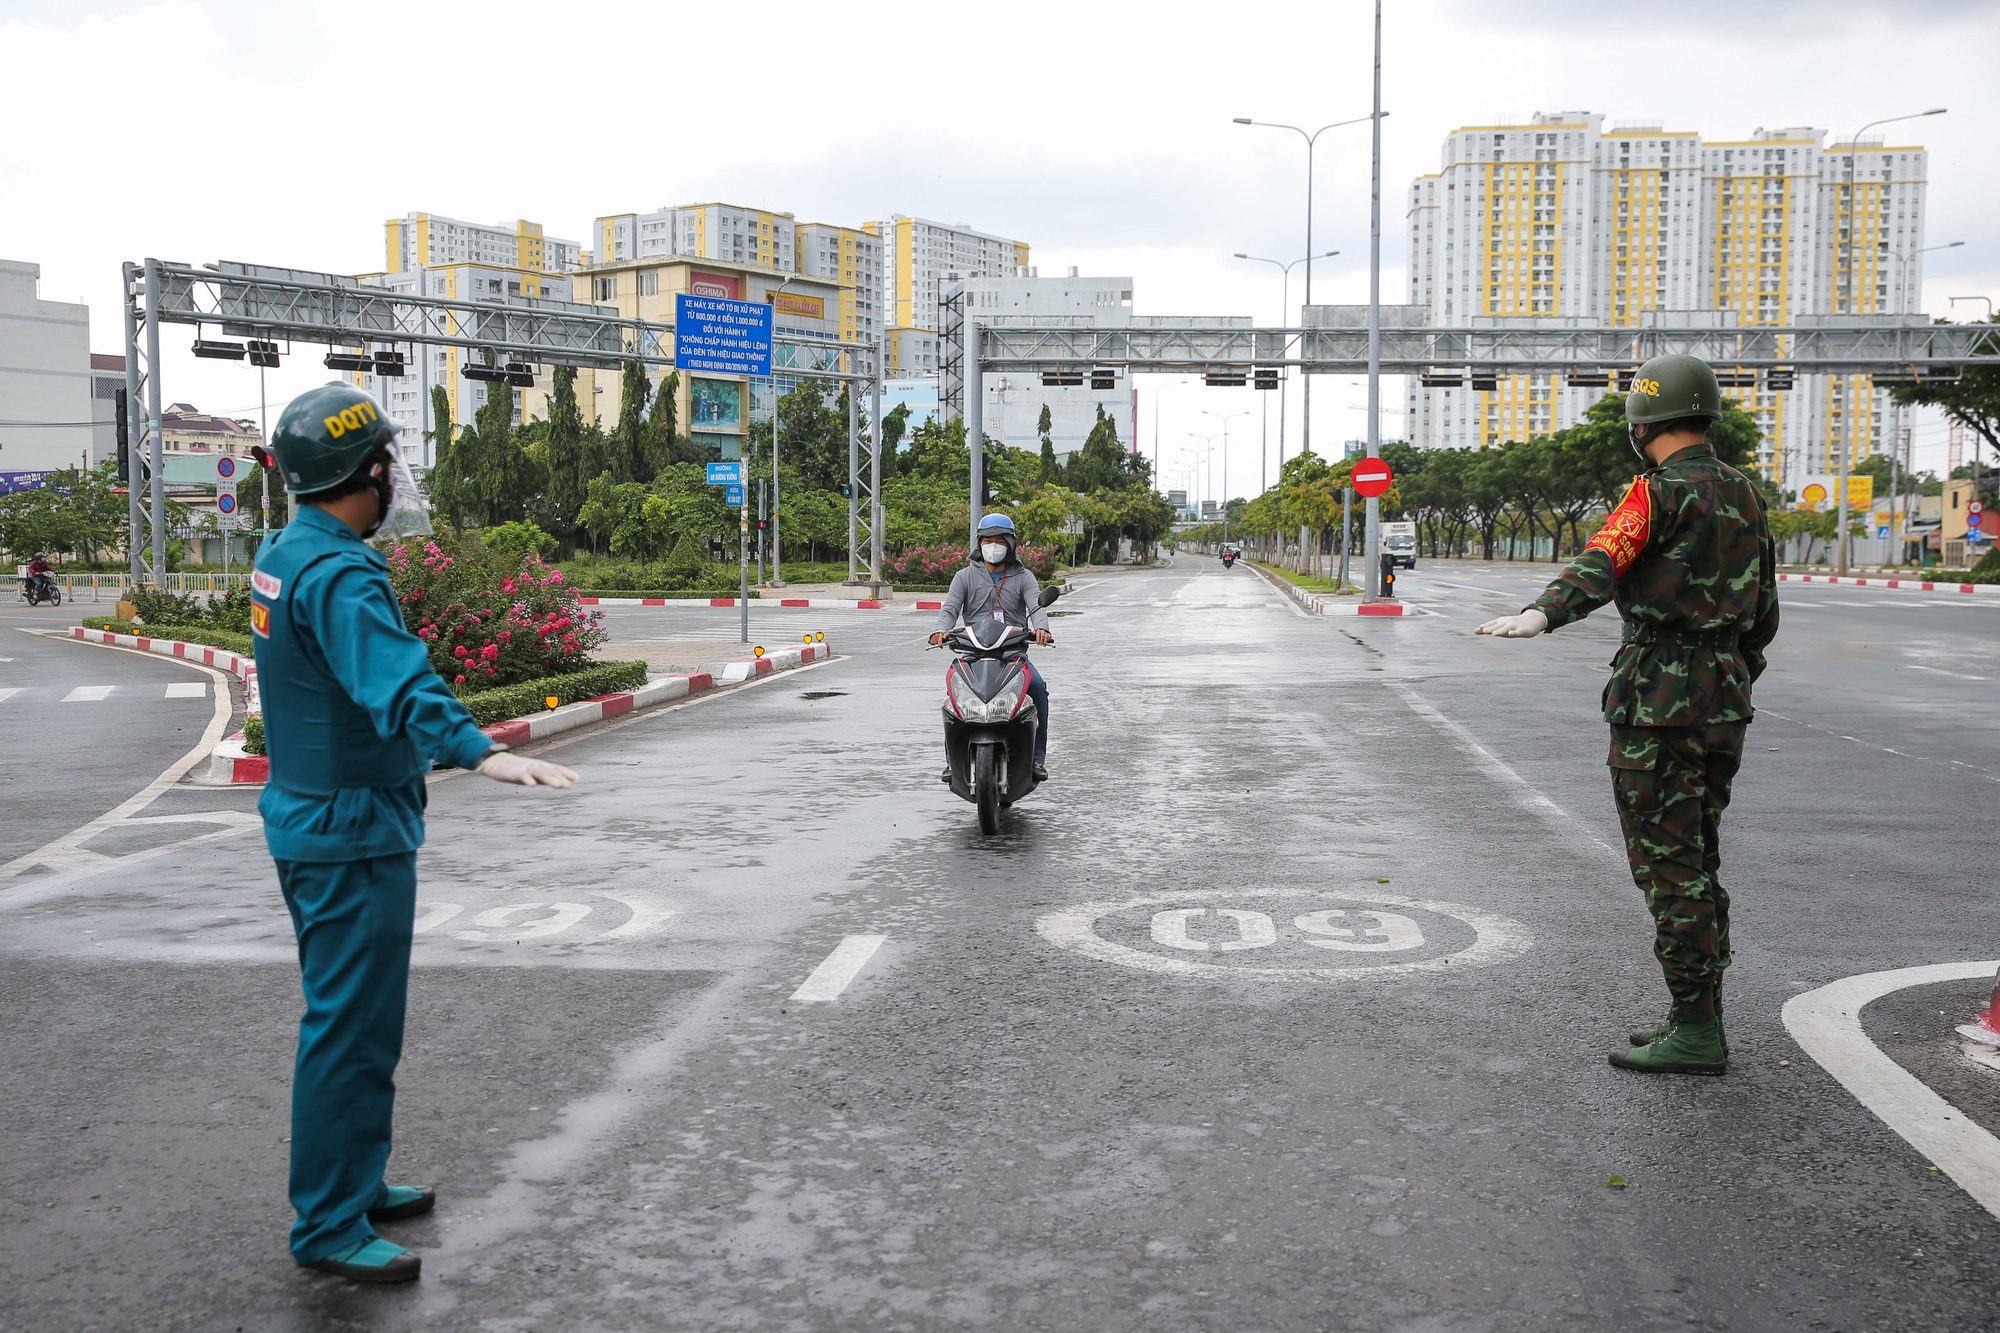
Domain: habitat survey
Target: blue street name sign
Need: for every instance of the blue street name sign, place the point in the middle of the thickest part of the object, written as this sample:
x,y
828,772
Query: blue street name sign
x,y
733,496
726,474
721,336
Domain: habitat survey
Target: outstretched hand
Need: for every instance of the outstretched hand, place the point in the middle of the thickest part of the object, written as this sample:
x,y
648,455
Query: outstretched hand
x,y
506,766
1526,625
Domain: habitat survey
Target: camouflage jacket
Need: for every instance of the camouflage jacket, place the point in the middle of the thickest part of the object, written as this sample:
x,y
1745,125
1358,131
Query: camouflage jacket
x,y
1688,556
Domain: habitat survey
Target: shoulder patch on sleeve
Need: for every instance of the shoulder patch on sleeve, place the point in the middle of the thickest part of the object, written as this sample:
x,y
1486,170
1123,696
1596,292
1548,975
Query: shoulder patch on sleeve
x,y
1630,526
267,585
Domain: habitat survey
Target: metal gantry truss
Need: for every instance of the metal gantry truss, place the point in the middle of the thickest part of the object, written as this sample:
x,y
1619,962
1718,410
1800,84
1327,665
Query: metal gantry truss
x,y
297,305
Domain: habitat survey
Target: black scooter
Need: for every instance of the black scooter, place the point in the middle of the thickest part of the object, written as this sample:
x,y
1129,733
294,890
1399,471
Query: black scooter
x,y
990,723
39,588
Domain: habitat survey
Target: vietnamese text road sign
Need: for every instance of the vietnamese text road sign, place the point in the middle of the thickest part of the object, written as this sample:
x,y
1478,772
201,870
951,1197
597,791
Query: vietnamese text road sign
x,y
726,474
225,467
1372,477
733,496
225,503
722,337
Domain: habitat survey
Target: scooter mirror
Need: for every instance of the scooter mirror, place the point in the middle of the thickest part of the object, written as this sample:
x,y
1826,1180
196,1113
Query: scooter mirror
x,y
1049,595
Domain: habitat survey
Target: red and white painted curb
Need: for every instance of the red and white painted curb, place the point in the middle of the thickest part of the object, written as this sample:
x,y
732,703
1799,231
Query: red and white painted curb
x,y
1913,585
816,603
230,765
1315,605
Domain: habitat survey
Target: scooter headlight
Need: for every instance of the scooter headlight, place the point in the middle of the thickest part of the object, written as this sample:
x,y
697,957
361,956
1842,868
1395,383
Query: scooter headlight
x,y
1004,704
964,702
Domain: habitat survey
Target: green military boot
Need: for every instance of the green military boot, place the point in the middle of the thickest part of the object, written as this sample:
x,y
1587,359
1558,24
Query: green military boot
x,y
1686,1048
1647,1036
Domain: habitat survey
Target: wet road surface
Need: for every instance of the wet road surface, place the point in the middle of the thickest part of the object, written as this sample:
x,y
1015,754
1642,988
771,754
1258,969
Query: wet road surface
x,y
1283,1007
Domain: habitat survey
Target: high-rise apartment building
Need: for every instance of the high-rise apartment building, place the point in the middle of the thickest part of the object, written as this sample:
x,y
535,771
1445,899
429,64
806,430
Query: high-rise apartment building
x,y
922,258
853,259
728,232
1561,219
419,240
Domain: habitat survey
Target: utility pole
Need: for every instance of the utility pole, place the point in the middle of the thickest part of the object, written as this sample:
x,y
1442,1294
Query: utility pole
x,y
1373,510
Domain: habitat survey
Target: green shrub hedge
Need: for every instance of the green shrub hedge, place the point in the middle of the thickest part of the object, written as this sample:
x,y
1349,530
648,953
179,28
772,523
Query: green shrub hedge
x,y
531,696
690,593
253,734
201,634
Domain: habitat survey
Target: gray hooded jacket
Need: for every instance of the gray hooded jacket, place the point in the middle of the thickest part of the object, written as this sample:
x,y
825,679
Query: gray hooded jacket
x,y
975,595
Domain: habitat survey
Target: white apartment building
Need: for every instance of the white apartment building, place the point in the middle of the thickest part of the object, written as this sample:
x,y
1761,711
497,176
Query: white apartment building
x,y
47,384
731,232
922,258
419,240
1562,219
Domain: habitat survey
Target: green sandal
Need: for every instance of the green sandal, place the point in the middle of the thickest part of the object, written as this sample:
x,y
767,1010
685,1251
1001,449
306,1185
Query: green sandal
x,y
371,1259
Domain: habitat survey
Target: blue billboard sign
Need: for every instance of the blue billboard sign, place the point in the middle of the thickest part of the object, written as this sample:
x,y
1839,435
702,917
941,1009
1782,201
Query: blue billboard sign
x,y
733,496
721,336
23,481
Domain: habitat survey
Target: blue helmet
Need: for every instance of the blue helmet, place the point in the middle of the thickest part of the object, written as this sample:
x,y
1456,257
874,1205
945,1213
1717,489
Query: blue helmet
x,y
996,523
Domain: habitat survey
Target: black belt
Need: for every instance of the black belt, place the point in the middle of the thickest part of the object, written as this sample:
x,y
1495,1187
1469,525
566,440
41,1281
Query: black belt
x,y
1723,640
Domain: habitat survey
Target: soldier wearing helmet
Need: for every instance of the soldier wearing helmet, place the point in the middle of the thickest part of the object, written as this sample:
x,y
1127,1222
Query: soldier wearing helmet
x,y
1688,557
354,717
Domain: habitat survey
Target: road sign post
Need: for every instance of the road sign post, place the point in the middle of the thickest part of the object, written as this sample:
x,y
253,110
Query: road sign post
x,y
1371,478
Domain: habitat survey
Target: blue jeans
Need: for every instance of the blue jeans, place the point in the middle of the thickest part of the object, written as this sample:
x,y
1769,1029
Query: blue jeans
x,y
1038,690
353,920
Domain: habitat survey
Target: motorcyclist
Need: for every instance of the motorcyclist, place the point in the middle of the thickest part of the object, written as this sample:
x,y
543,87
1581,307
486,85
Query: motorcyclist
x,y
41,576
999,587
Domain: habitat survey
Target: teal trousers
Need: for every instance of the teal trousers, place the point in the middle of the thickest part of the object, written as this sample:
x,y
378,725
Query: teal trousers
x,y
353,921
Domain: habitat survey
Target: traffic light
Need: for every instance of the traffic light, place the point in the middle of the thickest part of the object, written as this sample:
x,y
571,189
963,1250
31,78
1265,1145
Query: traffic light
x,y
124,437
986,473
262,456
846,491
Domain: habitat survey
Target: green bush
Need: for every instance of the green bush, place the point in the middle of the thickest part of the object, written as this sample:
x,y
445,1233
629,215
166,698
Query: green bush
x,y
166,608
201,634
531,696
518,541
253,734
715,590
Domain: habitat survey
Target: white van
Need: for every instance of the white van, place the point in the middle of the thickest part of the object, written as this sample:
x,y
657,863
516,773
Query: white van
x,y
1399,543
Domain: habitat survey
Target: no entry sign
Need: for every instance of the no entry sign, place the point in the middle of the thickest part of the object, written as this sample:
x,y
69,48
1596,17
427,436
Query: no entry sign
x,y
1372,476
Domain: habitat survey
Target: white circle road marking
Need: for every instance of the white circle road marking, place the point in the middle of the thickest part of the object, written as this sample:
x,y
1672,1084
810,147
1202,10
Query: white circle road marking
x,y
1497,938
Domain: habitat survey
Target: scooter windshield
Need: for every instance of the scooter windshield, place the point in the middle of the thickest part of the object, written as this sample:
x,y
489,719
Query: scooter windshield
x,y
998,631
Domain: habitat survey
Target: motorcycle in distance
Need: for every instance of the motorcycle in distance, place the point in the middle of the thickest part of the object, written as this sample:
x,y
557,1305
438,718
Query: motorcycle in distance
x,y
1228,558
36,589
990,723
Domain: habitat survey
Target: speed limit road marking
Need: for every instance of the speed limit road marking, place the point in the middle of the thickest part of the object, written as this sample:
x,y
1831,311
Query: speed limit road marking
x,y
1303,935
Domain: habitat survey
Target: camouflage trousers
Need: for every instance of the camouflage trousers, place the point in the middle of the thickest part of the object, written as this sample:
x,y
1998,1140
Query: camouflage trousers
x,y
1672,785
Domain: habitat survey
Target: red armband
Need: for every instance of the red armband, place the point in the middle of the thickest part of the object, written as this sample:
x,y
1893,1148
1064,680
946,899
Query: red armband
x,y
1626,532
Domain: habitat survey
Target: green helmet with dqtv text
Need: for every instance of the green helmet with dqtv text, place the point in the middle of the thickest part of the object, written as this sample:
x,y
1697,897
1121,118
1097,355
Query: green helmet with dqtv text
x,y
1669,387
327,434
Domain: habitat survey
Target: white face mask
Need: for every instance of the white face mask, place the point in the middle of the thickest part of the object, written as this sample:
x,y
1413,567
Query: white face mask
x,y
994,552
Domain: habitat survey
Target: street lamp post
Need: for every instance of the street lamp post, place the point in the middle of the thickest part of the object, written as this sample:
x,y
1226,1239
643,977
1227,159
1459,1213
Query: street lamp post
x,y
1312,141
777,551
1208,470
1854,304
1224,418
1285,305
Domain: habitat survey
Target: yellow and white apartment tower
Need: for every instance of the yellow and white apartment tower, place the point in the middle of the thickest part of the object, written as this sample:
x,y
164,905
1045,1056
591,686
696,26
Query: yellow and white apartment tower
x,y
1561,219
922,258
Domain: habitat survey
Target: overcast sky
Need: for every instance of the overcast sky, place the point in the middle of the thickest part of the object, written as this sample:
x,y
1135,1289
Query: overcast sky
x,y
1099,133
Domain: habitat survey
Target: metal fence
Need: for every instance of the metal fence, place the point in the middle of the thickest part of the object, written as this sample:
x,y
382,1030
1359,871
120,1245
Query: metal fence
x,y
98,585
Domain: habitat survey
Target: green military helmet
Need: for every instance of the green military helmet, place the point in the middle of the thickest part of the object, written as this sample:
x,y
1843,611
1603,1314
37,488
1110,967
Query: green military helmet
x,y
326,434
1670,387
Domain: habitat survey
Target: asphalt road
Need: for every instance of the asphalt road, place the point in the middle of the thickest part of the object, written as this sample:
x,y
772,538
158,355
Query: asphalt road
x,y
1284,1007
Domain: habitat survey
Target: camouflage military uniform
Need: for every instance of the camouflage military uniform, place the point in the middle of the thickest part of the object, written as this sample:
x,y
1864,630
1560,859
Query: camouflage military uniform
x,y
1689,559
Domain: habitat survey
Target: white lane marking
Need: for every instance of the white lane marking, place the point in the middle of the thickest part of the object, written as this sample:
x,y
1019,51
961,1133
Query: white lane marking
x,y
1826,1023
87,694
1942,672
561,917
188,689
67,858
434,915
5,695
1987,773
647,914
1484,759
844,964
1497,938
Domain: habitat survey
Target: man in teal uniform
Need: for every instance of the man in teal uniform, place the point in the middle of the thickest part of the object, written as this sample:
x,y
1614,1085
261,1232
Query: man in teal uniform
x,y
354,717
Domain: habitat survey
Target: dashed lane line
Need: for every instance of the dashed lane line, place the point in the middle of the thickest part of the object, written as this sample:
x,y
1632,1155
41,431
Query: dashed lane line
x,y
5,695
1493,766
88,694
1826,1023
1986,773
841,966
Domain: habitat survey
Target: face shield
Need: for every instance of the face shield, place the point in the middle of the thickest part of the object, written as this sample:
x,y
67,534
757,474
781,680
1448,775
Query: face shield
x,y
405,512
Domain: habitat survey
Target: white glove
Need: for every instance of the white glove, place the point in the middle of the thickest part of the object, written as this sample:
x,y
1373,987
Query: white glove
x,y
506,766
1524,626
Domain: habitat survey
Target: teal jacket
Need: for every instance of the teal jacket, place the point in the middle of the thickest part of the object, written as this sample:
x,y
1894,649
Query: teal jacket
x,y
354,716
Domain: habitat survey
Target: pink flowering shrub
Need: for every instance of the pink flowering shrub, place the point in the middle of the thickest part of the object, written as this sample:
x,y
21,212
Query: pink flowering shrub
x,y
938,564
490,618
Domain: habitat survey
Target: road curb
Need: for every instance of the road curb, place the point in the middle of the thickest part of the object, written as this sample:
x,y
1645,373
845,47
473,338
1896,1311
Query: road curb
x,y
1315,605
1913,585
815,603
229,765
